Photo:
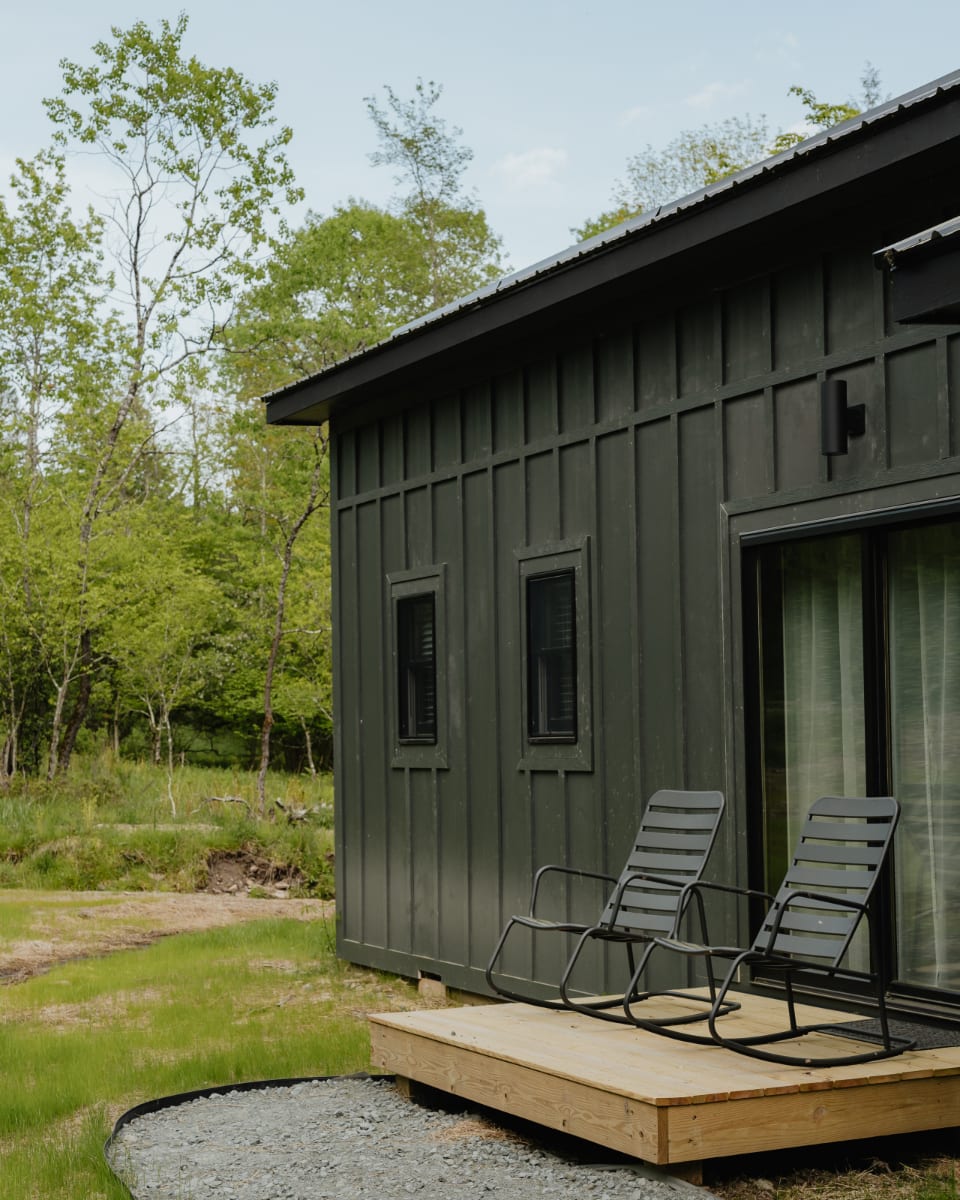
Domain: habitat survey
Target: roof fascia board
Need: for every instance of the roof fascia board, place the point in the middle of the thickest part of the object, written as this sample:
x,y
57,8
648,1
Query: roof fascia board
x,y
849,163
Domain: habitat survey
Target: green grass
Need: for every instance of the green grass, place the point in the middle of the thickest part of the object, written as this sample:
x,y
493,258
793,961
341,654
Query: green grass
x,y
91,1039
109,824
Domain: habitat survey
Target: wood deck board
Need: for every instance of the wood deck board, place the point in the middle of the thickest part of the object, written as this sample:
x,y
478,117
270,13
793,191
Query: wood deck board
x,y
659,1099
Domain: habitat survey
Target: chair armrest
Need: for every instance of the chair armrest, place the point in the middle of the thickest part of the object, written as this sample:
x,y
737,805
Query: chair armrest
x,y
563,871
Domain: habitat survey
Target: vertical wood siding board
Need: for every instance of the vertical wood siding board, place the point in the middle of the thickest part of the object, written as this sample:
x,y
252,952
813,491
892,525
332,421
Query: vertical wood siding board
x,y
480,768
767,287
339,748
359,804
722,347
452,814
636,649
772,439
882,389
952,352
943,399
558,497
407,797
334,517
599,723
733,864
461,762
677,585
433,776
635,360
498,681
398,813
371,694
411,860
508,528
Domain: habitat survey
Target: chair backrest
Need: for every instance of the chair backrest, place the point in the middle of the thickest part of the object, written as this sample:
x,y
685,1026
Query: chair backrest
x,y
676,835
840,852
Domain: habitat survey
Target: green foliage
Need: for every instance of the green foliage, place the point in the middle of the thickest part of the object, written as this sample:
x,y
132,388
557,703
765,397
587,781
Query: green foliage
x,y
460,250
699,157
694,159
89,1039
195,148
108,826
819,115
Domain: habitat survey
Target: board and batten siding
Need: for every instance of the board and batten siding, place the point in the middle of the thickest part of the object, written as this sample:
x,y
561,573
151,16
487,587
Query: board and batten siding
x,y
642,444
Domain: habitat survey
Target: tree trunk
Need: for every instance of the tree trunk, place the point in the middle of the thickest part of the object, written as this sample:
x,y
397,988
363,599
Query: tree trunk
x,y
313,502
81,704
169,732
308,742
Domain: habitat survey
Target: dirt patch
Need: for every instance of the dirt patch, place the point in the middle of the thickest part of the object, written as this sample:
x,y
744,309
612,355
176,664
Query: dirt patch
x,y
475,1127
239,871
70,925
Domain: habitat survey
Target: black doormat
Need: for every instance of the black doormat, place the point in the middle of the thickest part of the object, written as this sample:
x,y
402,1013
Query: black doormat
x,y
928,1036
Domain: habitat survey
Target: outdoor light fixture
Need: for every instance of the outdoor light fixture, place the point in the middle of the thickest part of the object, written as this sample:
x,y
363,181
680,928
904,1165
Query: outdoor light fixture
x,y
838,420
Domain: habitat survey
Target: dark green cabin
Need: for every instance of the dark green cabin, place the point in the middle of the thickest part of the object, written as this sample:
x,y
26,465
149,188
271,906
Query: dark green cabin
x,y
592,538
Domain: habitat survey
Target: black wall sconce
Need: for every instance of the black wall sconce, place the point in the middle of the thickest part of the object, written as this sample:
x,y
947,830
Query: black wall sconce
x,y
838,420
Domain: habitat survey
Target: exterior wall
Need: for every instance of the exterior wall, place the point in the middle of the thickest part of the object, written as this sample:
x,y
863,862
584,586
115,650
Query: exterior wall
x,y
656,446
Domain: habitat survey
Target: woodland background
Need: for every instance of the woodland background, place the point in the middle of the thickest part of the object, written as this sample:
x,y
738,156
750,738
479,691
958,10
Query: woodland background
x,y
164,558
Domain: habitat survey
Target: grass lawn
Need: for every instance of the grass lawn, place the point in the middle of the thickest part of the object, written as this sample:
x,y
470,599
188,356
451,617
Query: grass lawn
x,y
89,1039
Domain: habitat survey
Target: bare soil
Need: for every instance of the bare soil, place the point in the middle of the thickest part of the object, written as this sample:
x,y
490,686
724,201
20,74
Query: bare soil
x,y
60,931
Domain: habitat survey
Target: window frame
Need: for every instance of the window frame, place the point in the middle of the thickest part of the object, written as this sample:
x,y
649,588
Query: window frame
x,y
558,752
405,585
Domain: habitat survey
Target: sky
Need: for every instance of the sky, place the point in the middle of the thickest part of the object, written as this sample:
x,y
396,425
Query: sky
x,y
553,98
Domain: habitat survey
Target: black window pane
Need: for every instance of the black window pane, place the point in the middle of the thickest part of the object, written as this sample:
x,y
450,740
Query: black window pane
x,y
417,668
552,661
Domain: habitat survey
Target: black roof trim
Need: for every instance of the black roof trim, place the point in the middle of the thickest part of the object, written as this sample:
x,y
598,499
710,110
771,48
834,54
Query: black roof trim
x,y
364,367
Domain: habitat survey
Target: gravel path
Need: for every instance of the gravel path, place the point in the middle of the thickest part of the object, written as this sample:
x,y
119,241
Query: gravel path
x,y
340,1139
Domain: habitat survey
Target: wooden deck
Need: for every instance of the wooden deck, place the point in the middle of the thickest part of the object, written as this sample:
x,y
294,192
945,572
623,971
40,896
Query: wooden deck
x,y
658,1099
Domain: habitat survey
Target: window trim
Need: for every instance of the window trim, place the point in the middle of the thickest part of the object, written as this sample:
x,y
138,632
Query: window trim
x,y
549,753
403,585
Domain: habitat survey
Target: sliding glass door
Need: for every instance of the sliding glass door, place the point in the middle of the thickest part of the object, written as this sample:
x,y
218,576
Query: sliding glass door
x,y
858,692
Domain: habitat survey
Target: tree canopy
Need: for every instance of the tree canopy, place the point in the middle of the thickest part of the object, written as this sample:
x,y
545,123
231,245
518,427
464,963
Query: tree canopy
x,y
699,157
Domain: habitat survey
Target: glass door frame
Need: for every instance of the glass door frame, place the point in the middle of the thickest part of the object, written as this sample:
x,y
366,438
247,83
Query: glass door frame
x,y
872,531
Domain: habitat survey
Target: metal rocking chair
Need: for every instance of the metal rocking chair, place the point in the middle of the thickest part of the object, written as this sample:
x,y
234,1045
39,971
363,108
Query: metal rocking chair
x,y
671,848
807,930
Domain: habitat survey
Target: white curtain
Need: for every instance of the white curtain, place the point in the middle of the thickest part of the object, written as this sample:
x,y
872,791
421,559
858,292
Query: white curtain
x,y
823,692
822,674
924,598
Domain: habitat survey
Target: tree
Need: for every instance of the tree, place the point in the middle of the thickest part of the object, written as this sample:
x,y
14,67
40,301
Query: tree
x,y
694,159
59,350
200,172
462,251
699,157
333,287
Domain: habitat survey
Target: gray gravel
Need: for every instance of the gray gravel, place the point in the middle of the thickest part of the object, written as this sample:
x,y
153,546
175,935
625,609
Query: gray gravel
x,y
344,1138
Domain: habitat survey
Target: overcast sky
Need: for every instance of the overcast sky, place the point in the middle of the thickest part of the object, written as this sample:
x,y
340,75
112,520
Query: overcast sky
x,y
552,97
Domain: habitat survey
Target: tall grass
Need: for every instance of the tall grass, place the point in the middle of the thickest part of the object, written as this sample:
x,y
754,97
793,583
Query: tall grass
x,y
109,824
90,1039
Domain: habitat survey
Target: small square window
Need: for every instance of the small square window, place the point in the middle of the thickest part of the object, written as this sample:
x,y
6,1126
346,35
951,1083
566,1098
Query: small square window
x,y
419,676
552,657
417,669
555,658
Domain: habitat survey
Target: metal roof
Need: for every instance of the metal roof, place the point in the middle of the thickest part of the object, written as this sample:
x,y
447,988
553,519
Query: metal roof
x,y
610,240
889,255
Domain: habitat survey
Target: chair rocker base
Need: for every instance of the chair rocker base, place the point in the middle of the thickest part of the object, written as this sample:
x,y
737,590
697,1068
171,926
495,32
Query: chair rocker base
x,y
751,1047
599,1008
